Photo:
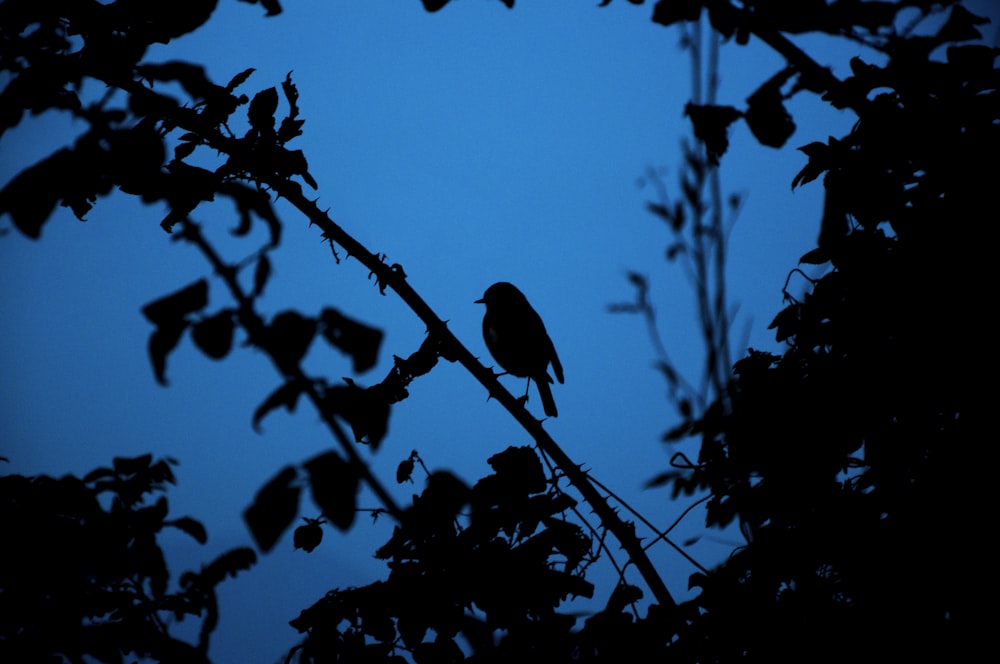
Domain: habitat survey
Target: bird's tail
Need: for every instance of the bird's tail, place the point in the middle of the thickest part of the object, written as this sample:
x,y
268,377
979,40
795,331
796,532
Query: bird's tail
x,y
545,392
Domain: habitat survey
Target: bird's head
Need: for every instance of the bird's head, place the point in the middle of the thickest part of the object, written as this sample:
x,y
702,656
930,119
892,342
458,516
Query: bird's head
x,y
500,293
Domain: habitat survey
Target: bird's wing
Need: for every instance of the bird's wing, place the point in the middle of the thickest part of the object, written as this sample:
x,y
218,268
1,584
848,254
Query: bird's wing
x,y
556,364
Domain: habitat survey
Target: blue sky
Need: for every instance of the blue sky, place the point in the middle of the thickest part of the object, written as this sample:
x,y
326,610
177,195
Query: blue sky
x,y
472,145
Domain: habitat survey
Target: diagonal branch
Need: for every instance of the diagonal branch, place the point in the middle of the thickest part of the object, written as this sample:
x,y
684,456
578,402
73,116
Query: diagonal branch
x,y
394,278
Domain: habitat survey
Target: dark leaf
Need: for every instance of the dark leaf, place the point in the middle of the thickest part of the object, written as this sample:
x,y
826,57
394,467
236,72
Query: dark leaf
x,y
668,12
286,396
289,129
273,7
960,26
32,195
711,125
661,211
239,79
434,5
228,564
184,149
308,536
786,322
172,309
334,484
214,335
97,474
366,410
404,471
288,339
675,250
519,469
191,77
819,162
163,340
190,526
766,114
444,496
684,407
249,203
262,109
816,256
356,339
150,562
273,509
131,465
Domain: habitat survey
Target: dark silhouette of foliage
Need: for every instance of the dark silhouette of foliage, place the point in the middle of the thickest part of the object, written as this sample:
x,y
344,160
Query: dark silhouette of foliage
x,y
846,459
850,461
82,575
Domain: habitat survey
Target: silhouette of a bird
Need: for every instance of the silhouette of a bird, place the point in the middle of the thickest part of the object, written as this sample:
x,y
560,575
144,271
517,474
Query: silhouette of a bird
x,y
516,338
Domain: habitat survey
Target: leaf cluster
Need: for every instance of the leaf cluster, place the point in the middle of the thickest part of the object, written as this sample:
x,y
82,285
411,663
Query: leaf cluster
x,y
83,577
844,459
478,574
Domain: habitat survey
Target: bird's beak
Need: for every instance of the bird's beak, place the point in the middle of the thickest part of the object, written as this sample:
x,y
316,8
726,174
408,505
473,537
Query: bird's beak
x,y
480,301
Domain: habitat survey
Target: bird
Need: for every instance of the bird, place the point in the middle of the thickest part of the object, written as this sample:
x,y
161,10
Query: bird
x,y
516,338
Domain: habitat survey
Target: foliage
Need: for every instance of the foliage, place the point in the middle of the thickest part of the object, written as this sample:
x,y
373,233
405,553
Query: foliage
x,y
848,460
845,459
83,577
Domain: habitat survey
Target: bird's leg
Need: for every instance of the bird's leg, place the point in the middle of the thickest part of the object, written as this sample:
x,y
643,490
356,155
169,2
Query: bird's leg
x,y
523,400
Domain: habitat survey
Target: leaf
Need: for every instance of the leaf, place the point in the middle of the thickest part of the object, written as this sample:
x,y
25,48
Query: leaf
x,y
273,509
273,7
766,115
308,536
32,195
163,340
404,471
288,339
214,335
239,79
131,465
661,211
366,410
786,322
434,5
334,484
191,77
519,469
711,124
960,26
250,202
262,109
286,396
170,310
228,564
190,526
816,256
668,12
819,162
356,339
184,150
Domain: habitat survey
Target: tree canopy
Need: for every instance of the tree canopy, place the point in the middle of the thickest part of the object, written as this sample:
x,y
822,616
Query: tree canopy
x,y
848,462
